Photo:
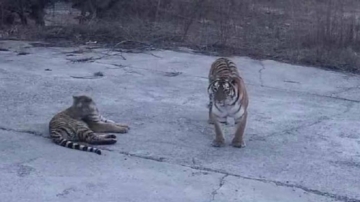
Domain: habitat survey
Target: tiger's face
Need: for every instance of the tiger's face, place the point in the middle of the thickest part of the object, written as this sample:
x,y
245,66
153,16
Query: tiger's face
x,y
84,105
224,91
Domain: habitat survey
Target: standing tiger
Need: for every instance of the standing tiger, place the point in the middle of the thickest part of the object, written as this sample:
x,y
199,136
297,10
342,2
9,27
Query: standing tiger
x,y
80,123
227,98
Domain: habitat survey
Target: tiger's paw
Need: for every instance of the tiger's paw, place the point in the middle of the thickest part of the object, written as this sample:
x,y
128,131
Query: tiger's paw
x,y
218,143
111,136
112,141
238,144
123,125
123,129
109,121
109,141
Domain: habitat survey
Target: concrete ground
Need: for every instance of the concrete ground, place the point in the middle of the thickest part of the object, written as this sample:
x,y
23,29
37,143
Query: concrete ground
x,y
303,131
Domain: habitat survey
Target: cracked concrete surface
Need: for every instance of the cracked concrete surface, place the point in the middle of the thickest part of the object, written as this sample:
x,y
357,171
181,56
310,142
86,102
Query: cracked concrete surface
x,y
303,140
260,74
221,183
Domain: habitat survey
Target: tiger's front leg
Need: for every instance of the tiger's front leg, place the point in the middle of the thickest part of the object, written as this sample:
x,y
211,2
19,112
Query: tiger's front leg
x,y
99,127
210,105
238,140
105,120
219,137
210,121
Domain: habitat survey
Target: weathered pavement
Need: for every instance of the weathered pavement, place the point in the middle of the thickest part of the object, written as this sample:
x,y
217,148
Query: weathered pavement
x,y
303,131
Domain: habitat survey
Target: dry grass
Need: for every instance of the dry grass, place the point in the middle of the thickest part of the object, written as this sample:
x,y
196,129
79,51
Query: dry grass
x,y
313,32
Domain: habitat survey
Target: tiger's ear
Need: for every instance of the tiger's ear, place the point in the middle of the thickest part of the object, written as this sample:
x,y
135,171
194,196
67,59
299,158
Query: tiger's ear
x,y
75,97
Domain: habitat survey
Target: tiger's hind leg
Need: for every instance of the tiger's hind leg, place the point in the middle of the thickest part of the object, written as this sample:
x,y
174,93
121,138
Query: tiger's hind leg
x,y
86,134
238,140
107,136
98,139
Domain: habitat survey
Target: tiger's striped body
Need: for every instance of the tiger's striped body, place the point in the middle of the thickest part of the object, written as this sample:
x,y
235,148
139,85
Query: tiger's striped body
x,y
80,123
227,98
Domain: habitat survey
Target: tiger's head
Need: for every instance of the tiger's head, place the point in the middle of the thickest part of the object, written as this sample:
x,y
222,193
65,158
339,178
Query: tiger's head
x,y
224,90
84,105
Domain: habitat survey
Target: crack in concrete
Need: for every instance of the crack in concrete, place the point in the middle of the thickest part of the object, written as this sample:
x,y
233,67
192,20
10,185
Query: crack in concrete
x,y
289,81
66,192
23,131
281,184
225,173
307,93
293,129
260,73
261,84
318,121
344,90
331,97
221,183
152,54
152,158
280,89
348,108
278,183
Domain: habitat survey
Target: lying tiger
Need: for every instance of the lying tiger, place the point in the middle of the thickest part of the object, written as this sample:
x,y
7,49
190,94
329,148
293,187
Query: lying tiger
x,y
227,98
80,123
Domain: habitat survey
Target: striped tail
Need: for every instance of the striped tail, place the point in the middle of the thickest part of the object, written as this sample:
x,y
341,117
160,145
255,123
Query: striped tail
x,y
73,145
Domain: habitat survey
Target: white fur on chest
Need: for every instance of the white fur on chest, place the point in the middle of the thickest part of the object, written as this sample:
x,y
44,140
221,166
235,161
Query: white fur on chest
x,y
224,111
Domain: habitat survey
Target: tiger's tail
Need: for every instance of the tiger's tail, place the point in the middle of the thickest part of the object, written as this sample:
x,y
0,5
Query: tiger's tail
x,y
73,145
